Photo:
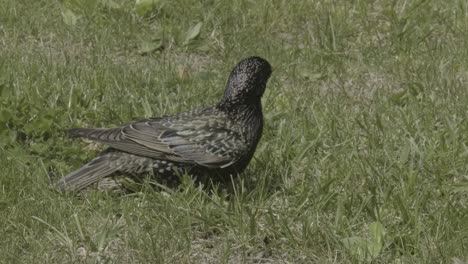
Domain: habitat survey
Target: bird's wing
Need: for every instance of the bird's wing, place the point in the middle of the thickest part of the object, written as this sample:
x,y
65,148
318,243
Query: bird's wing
x,y
200,138
209,146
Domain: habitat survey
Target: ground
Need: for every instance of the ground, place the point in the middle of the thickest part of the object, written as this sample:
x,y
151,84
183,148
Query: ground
x,y
363,159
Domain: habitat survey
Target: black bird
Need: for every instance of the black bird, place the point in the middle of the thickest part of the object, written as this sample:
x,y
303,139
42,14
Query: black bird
x,y
217,141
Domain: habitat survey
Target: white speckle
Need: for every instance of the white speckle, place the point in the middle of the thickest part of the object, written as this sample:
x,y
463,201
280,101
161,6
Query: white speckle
x,y
169,168
163,162
161,171
155,165
185,133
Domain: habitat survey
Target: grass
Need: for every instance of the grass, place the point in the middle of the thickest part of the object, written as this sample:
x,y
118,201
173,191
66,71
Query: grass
x,y
364,156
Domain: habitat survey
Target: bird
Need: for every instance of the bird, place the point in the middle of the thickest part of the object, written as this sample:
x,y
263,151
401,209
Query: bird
x,y
215,142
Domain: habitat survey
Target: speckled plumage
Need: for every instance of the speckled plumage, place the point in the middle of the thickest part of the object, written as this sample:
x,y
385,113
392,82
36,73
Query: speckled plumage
x,y
215,141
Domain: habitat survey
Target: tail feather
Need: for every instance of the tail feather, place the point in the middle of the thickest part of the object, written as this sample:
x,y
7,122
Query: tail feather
x,y
90,173
99,134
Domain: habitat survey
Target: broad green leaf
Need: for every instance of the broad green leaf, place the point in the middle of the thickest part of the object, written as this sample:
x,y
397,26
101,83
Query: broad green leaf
x,y
147,47
415,88
308,74
376,242
193,32
38,126
399,98
357,247
459,261
69,18
377,231
404,153
145,7
365,250
461,188
39,148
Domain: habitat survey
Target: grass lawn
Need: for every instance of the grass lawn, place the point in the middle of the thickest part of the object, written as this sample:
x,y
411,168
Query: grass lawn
x,y
364,156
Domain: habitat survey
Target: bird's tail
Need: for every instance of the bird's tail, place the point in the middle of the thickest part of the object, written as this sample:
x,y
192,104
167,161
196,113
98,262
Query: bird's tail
x,y
90,173
97,134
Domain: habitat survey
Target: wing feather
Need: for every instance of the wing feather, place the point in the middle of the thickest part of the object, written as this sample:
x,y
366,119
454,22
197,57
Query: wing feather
x,y
181,138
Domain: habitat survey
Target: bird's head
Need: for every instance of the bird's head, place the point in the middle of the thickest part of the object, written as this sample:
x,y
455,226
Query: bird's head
x,y
247,81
